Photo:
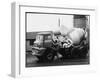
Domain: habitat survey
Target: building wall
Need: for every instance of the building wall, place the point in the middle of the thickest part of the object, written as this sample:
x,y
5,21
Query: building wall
x,y
80,21
28,46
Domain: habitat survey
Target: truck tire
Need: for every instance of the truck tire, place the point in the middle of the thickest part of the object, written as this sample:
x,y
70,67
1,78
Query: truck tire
x,y
49,55
75,53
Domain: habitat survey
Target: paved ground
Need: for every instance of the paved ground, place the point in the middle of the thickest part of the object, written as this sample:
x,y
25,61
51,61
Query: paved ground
x,y
32,62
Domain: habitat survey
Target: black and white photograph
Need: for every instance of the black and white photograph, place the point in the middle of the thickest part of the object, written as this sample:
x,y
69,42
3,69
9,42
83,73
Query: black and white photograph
x,y
54,39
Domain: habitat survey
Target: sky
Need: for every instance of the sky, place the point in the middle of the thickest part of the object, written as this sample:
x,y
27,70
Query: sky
x,y
47,22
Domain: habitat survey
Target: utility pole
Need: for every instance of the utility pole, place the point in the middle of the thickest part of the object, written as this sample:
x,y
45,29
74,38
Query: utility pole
x,y
59,22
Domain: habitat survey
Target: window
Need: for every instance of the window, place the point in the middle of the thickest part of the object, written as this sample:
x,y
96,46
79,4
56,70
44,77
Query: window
x,y
48,37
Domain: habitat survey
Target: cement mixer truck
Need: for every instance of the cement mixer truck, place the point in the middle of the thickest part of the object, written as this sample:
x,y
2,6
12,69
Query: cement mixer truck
x,y
49,44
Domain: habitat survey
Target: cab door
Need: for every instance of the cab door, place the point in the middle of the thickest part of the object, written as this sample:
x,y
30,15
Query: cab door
x,y
47,41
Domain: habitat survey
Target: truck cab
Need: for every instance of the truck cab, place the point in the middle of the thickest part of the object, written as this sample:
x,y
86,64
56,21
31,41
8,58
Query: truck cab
x,y
43,39
42,47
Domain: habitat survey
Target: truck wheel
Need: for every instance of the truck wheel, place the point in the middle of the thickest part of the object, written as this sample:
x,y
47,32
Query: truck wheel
x,y
75,52
49,55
